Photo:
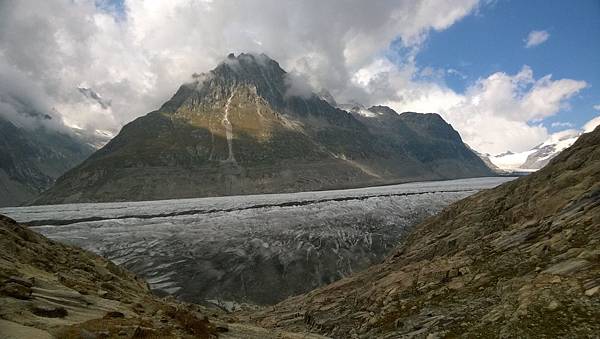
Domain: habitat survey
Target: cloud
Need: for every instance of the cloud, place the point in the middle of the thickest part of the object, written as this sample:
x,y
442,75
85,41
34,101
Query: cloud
x,y
536,38
591,125
298,85
561,124
137,54
597,107
91,94
23,102
496,113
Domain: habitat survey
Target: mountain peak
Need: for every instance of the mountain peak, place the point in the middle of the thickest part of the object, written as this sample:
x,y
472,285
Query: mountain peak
x,y
248,64
243,127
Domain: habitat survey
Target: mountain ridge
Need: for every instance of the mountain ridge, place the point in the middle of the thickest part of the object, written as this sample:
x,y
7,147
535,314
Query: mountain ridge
x,y
535,158
238,130
31,159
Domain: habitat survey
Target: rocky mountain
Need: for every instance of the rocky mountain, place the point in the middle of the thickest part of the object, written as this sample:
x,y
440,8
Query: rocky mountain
x,y
52,290
535,158
32,158
244,128
541,155
424,138
521,260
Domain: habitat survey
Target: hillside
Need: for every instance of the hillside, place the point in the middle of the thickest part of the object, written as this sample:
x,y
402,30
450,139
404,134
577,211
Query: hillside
x,y
51,290
426,139
32,158
520,260
242,129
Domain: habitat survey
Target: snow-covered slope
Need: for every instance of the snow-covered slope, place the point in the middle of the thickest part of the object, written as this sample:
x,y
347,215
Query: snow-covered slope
x,y
543,153
537,157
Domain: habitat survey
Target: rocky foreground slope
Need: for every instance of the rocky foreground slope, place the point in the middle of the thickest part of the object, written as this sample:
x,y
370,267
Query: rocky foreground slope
x,y
521,260
244,128
48,290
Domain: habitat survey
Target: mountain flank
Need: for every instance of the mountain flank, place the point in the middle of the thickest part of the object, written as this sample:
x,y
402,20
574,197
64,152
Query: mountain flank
x,y
521,260
240,129
32,158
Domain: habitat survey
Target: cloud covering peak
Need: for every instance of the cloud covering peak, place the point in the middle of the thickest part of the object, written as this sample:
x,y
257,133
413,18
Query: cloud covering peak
x,y
99,66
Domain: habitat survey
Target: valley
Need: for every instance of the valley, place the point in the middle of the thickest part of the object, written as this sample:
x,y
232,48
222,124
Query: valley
x,y
256,249
299,169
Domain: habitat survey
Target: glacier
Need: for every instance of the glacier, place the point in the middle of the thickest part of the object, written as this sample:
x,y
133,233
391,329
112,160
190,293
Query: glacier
x,y
254,249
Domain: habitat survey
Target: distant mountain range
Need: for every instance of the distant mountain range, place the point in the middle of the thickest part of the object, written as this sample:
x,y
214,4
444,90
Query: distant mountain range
x,y
31,158
535,158
242,129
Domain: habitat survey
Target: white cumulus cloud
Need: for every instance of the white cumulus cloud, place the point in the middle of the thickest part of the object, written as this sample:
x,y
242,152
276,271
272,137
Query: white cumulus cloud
x,y
562,124
536,38
137,60
591,125
497,113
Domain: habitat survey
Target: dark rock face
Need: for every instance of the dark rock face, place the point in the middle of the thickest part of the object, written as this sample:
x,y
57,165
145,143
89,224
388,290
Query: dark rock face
x,y
239,130
520,260
425,139
49,311
31,160
16,290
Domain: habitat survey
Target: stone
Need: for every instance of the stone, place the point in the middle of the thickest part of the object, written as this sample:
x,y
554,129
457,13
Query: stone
x,y
49,311
553,305
113,315
567,267
21,281
592,291
222,329
18,291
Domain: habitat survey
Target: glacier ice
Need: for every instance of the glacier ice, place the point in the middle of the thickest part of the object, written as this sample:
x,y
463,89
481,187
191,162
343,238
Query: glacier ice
x,y
255,249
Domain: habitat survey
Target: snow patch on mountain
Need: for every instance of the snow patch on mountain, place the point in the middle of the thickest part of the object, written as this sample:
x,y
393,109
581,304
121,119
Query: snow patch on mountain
x,y
537,157
509,160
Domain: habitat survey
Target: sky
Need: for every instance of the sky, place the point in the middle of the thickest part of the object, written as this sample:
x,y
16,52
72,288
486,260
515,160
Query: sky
x,y
507,74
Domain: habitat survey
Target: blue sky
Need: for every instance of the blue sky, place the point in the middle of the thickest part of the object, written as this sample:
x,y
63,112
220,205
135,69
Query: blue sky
x,y
114,6
492,40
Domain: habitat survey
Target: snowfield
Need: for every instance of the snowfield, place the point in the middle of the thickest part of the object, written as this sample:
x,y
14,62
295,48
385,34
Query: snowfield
x,y
258,248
